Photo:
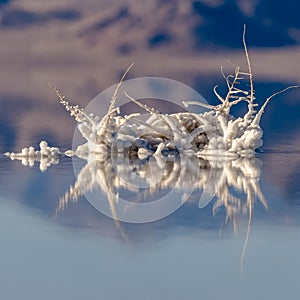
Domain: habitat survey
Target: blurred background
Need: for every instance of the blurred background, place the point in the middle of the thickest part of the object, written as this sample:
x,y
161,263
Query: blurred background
x,y
84,47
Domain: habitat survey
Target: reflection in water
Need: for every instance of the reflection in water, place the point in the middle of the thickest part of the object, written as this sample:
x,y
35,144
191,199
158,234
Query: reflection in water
x,y
46,156
233,183
215,177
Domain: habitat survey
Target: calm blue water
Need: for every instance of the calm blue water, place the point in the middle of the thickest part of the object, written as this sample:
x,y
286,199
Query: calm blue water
x,y
80,253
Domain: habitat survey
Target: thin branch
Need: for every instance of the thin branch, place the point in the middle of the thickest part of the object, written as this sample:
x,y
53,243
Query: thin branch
x,y
257,118
217,94
147,108
249,66
188,103
74,110
226,77
114,97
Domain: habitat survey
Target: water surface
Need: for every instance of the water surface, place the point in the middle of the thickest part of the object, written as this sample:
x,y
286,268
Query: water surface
x,y
79,253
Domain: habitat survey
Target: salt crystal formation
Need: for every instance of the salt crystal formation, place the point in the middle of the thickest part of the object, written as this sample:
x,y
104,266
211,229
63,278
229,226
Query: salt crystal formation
x,y
46,156
213,133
